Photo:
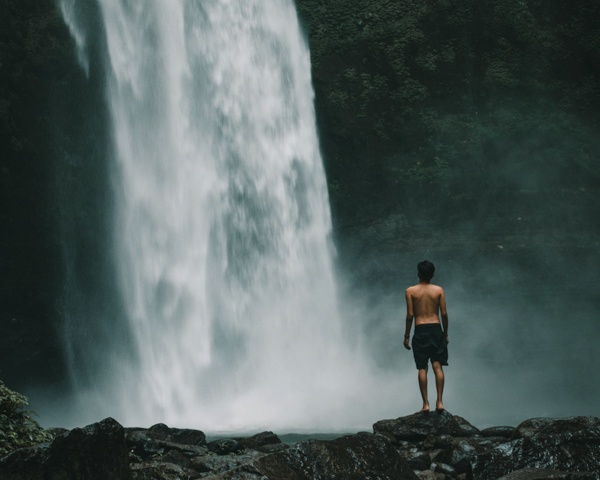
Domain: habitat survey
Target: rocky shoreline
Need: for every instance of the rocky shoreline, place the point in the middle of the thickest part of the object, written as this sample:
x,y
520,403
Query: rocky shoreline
x,y
425,446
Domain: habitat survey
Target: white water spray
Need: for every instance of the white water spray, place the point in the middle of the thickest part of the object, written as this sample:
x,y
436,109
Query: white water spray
x,y
222,224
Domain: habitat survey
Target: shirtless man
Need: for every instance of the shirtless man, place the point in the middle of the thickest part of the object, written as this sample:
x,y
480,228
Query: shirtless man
x,y
423,302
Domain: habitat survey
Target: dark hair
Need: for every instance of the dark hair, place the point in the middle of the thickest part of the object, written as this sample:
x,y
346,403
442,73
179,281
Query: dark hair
x,y
426,270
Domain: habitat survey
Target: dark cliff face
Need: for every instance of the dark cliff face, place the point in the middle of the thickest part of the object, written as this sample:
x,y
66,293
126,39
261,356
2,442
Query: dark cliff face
x,y
457,110
53,195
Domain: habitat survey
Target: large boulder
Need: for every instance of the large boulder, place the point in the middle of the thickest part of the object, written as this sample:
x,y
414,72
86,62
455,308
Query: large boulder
x,y
96,452
546,474
147,443
568,444
420,425
162,471
506,432
538,452
582,428
353,457
259,440
465,428
459,455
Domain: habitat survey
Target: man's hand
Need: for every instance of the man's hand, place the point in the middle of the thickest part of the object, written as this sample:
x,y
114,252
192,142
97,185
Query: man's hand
x,y
406,345
447,341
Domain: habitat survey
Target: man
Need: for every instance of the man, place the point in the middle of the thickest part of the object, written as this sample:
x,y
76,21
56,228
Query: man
x,y
424,303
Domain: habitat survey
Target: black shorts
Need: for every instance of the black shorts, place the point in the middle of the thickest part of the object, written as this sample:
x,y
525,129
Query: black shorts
x,y
429,343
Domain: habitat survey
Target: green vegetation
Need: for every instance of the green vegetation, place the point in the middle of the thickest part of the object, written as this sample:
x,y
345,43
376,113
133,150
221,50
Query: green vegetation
x,y
17,428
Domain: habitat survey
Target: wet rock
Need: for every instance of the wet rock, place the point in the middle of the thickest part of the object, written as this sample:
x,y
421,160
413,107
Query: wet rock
x,y
429,475
218,464
96,452
177,458
429,442
278,447
350,457
420,425
160,429
188,436
573,428
446,470
488,442
146,444
224,446
258,440
162,471
466,429
444,442
459,456
557,452
506,432
418,461
546,474
184,436
392,439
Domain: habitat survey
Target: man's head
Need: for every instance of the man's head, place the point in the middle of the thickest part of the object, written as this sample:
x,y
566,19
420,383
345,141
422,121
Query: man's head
x,y
426,270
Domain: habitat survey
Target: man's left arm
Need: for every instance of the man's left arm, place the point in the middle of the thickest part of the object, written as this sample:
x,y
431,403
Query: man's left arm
x,y
409,319
444,314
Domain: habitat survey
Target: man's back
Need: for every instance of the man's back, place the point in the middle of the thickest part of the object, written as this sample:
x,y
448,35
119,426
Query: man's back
x,y
427,301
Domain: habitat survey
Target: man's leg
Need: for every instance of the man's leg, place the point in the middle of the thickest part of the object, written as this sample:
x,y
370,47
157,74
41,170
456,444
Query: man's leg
x,y
439,383
423,387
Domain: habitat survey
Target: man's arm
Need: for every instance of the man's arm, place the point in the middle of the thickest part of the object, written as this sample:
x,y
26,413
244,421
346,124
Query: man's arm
x,y
444,314
409,319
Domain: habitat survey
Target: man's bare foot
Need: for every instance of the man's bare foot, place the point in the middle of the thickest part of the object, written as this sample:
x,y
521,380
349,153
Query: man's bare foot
x,y
439,406
424,409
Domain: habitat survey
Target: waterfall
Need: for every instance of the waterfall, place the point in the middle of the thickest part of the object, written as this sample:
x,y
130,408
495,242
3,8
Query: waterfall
x,y
222,224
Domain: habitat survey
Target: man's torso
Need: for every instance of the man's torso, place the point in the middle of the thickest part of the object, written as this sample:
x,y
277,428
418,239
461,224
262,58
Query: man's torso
x,y
426,303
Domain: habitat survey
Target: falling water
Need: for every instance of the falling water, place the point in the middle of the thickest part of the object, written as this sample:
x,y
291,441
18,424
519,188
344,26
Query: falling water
x,y
222,222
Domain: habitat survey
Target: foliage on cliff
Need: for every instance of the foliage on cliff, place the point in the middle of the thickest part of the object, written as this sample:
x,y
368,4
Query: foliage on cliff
x,y
17,428
461,98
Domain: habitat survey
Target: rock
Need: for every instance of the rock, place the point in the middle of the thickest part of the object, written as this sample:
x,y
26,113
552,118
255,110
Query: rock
x,y
554,451
429,442
582,428
258,440
392,439
278,447
446,470
546,474
488,442
429,475
466,429
459,456
187,436
353,457
161,471
184,436
160,429
444,442
506,432
418,461
224,463
146,443
96,452
224,446
420,425
177,458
